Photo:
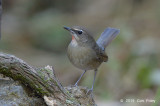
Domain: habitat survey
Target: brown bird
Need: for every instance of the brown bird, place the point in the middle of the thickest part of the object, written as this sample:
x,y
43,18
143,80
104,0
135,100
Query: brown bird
x,y
87,54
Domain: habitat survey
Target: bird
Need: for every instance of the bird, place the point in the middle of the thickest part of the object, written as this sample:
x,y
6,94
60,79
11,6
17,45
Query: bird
x,y
85,53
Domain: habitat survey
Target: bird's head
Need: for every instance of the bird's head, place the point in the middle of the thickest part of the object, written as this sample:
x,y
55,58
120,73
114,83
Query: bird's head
x,y
79,34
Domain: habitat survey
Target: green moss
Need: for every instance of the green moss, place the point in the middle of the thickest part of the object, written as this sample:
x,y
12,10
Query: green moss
x,y
40,91
14,94
67,92
42,73
45,70
25,81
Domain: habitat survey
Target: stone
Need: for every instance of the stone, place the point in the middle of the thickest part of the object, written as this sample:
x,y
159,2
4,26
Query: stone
x,y
13,94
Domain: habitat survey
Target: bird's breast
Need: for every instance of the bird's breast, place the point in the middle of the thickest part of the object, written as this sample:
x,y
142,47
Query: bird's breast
x,y
82,57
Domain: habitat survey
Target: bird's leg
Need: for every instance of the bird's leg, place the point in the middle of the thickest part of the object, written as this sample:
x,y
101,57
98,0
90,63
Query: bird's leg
x,y
80,78
90,90
95,72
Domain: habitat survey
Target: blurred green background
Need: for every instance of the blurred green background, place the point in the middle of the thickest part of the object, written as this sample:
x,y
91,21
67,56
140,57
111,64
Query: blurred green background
x,y
33,31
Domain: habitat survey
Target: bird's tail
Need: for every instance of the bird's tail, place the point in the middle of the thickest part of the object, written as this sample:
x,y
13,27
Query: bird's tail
x,y
107,36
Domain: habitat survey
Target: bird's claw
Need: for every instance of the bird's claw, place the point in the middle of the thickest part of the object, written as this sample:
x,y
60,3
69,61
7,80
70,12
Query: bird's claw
x,y
89,91
75,85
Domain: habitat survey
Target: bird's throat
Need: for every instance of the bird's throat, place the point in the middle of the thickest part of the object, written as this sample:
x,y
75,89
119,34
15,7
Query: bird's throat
x,y
74,42
73,38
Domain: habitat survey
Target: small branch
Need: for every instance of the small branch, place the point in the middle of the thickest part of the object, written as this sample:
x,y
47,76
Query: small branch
x,y
43,82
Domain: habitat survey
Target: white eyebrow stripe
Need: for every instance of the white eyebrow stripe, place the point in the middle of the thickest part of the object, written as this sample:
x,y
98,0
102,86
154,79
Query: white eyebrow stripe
x,y
78,30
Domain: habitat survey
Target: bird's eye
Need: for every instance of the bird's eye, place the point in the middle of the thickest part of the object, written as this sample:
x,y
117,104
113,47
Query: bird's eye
x,y
80,32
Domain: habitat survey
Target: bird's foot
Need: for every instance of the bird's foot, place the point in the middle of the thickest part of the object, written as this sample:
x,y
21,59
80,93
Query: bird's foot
x,y
89,91
75,85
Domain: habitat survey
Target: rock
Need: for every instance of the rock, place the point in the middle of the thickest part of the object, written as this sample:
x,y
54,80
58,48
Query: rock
x,y
13,94
80,93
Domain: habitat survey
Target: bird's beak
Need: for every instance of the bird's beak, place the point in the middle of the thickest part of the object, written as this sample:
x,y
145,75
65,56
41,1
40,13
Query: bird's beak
x,y
72,32
67,28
